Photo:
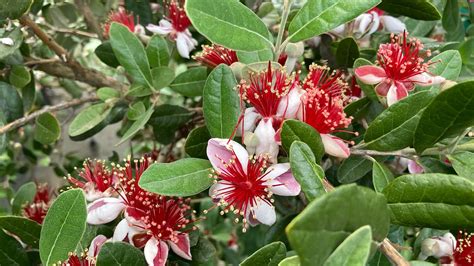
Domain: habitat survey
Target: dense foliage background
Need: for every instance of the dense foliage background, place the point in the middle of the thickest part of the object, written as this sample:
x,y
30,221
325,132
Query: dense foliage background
x,y
117,120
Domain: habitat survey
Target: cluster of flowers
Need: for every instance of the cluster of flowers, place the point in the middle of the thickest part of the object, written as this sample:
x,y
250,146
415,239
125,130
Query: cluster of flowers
x,y
150,221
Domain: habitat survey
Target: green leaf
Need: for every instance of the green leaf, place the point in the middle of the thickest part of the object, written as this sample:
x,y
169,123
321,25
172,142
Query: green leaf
x,y
354,250
451,16
419,28
136,110
131,54
359,108
157,52
106,93
182,178
255,56
317,17
191,82
88,118
16,35
437,201
166,120
14,9
63,227
106,54
448,64
120,253
463,163
25,194
28,94
211,18
347,52
394,128
10,102
11,251
19,76
450,113
381,176
308,174
293,130
353,169
269,255
47,129
290,261
196,143
324,224
220,102
141,9
138,125
25,229
466,49
162,77
203,251
417,9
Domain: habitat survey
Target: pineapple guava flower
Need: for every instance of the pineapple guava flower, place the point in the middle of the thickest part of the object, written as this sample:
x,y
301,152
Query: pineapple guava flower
x,y
37,209
97,181
123,17
214,55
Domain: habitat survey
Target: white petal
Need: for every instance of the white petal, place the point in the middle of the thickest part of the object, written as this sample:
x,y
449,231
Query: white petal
x,y
156,252
7,41
121,231
266,139
249,121
185,44
183,247
281,180
392,24
335,146
291,103
364,20
164,28
339,30
96,245
104,210
221,149
264,212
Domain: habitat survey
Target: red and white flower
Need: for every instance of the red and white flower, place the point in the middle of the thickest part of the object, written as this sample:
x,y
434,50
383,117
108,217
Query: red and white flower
x,y
123,17
176,27
323,108
89,258
374,19
273,96
214,55
449,250
401,66
37,209
245,184
97,181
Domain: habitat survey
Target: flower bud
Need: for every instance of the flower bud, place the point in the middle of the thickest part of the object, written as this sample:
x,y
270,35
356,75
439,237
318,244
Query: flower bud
x,y
295,49
438,247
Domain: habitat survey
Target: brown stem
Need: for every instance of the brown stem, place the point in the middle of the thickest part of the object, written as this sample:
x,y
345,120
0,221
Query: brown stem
x,y
24,120
89,17
407,153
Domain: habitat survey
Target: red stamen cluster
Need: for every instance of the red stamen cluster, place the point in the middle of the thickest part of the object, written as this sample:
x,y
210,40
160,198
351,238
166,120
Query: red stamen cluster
x,y
265,90
75,260
402,59
242,189
324,100
215,55
379,11
121,16
464,252
177,15
37,210
95,174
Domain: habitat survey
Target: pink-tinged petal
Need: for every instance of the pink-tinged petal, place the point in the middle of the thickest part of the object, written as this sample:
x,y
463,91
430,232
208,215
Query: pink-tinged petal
x,y
409,85
156,252
383,87
182,45
218,188
392,24
415,168
96,245
370,74
182,247
366,22
104,210
139,29
249,121
264,212
422,79
267,143
291,103
396,92
164,27
375,23
220,150
281,180
335,146
121,231
438,80
339,30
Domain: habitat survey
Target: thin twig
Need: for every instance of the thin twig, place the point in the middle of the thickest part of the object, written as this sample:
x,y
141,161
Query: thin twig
x,y
24,120
407,153
41,61
71,31
284,17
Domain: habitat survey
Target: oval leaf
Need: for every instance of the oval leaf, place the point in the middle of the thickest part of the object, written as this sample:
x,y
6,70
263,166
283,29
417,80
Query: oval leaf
x,y
196,143
431,200
157,51
353,169
19,76
182,178
381,176
317,17
14,9
221,102
88,118
347,52
308,174
25,229
119,253
25,194
293,130
138,125
63,227
269,255
211,18
417,9
191,82
10,102
463,163
448,64
394,128
450,113
332,218
354,250
47,129
11,251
